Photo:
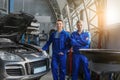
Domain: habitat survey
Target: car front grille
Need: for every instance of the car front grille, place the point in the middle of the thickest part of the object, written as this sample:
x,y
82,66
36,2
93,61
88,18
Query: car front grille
x,y
21,69
30,66
38,63
14,70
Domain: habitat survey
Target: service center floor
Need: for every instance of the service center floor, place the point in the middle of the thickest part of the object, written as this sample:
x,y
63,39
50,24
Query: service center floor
x,y
48,76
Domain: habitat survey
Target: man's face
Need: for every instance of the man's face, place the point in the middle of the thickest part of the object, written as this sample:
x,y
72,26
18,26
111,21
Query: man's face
x,y
79,25
59,25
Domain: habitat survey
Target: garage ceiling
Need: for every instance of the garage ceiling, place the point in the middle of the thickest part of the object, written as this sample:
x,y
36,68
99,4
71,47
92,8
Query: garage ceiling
x,y
58,5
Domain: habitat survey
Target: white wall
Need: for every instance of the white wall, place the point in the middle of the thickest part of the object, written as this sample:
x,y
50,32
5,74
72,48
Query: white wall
x,y
113,11
112,38
39,8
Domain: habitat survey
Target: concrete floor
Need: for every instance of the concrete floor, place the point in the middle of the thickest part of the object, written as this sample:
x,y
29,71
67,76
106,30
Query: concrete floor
x,y
48,76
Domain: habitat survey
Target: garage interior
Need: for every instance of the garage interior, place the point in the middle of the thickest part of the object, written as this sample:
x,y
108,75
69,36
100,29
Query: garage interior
x,y
100,17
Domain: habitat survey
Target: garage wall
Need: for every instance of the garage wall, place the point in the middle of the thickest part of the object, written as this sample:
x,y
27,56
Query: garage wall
x,y
112,39
113,11
113,20
3,6
1,3
34,7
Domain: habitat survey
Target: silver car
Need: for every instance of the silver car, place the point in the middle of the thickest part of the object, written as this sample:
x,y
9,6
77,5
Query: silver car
x,y
19,61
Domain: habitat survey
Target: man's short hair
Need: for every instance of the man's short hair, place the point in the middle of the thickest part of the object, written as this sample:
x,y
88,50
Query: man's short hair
x,y
80,21
60,20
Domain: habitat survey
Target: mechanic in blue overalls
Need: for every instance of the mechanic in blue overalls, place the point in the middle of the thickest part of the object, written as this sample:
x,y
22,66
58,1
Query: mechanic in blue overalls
x,y
80,39
59,40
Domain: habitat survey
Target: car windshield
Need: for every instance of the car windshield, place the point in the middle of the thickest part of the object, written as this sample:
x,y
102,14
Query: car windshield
x,y
5,40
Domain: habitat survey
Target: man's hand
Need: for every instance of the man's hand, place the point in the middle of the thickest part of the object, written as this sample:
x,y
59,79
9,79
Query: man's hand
x,y
61,53
87,38
40,49
45,53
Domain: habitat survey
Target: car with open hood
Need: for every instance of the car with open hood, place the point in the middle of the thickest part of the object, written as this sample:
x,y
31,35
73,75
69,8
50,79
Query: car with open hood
x,y
19,61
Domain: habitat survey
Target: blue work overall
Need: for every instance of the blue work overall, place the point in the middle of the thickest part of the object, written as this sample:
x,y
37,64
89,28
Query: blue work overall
x,y
80,41
58,63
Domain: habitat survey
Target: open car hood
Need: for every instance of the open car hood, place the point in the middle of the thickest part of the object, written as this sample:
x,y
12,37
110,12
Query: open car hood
x,y
13,24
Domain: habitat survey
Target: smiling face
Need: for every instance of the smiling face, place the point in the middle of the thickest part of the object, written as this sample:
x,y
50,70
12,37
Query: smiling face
x,y
59,25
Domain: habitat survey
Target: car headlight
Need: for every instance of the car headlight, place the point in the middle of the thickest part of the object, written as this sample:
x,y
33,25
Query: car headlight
x,y
9,56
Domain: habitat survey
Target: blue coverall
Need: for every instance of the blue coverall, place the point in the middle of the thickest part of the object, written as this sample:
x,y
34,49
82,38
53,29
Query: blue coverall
x,y
80,41
59,44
